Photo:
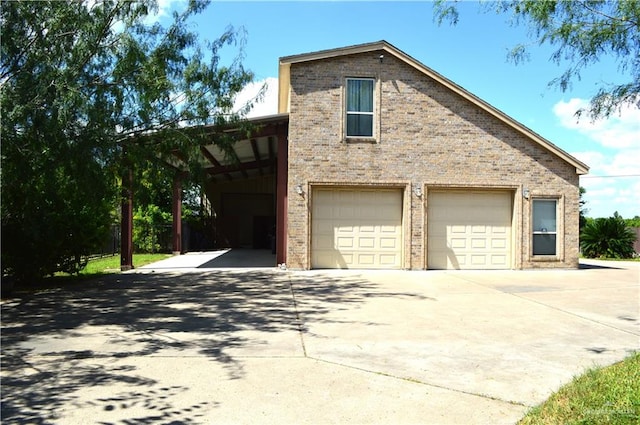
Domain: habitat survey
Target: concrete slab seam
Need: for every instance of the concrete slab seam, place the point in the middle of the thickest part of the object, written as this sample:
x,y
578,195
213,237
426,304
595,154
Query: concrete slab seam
x,y
583,289
204,356
298,320
549,306
575,315
415,381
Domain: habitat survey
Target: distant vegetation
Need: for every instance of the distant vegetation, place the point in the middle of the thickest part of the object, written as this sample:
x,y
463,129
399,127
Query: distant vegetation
x,y
633,222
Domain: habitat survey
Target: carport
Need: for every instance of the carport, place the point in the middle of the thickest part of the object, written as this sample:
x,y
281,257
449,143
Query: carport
x,y
246,189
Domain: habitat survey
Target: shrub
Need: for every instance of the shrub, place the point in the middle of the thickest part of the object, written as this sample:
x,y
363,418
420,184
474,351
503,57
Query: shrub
x,y
607,238
149,221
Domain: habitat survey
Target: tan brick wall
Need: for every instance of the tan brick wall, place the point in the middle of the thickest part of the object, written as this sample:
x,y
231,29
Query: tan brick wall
x,y
428,137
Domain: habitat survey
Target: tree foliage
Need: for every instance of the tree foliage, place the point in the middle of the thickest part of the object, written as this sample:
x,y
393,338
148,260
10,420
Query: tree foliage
x,y
81,82
153,201
583,209
150,224
583,32
607,238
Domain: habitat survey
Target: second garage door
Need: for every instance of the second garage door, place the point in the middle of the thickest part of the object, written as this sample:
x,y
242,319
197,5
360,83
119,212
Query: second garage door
x,y
469,230
356,229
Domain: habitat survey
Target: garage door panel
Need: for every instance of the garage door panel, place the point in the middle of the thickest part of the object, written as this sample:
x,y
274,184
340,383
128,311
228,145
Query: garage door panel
x,y
458,229
469,230
458,243
344,230
435,243
498,243
324,240
498,260
367,229
388,260
391,231
369,213
478,260
325,211
479,230
366,260
478,243
344,258
359,229
389,243
347,213
345,243
366,243
327,257
322,227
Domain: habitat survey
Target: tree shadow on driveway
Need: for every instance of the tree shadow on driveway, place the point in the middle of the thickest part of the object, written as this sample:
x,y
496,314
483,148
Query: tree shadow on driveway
x,y
59,341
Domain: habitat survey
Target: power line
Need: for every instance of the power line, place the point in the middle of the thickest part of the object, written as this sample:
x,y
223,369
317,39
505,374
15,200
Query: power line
x,y
609,177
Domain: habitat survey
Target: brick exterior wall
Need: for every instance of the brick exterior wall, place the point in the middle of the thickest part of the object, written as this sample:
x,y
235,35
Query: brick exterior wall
x,y
427,137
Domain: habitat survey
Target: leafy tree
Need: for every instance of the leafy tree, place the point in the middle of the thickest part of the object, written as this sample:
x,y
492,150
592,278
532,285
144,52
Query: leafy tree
x,y
153,199
150,224
583,33
607,238
153,185
85,85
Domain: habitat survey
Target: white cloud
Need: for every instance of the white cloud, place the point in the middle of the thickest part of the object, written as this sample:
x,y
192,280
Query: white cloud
x,y
626,162
622,163
265,104
613,157
591,158
619,131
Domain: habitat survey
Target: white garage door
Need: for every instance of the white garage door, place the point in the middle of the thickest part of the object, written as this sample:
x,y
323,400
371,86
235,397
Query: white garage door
x,y
356,229
469,230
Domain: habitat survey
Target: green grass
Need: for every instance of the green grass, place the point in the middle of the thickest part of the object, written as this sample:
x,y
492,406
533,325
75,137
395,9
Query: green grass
x,y
111,264
618,259
95,268
607,396
610,259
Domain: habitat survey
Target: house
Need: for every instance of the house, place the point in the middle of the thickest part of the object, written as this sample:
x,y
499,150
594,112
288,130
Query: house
x,y
401,168
377,161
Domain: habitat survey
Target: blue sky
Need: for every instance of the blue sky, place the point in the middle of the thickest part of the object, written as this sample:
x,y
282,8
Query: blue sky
x,y
473,54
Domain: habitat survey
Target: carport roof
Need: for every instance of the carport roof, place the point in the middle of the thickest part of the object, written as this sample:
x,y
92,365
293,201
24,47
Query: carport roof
x,y
251,155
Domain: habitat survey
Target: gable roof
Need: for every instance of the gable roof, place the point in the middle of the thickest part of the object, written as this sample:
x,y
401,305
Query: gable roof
x,y
284,87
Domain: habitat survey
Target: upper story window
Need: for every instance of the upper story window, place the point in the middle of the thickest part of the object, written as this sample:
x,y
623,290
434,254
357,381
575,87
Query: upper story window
x,y
545,226
359,107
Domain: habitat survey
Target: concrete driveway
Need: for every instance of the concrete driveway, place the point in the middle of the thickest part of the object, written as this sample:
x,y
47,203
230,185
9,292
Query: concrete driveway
x,y
183,345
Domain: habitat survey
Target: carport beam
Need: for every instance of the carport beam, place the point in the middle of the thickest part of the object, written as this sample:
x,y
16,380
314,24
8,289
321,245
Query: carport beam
x,y
282,179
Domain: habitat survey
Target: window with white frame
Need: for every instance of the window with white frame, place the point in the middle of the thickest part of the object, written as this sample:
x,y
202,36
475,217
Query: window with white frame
x,y
545,226
359,107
